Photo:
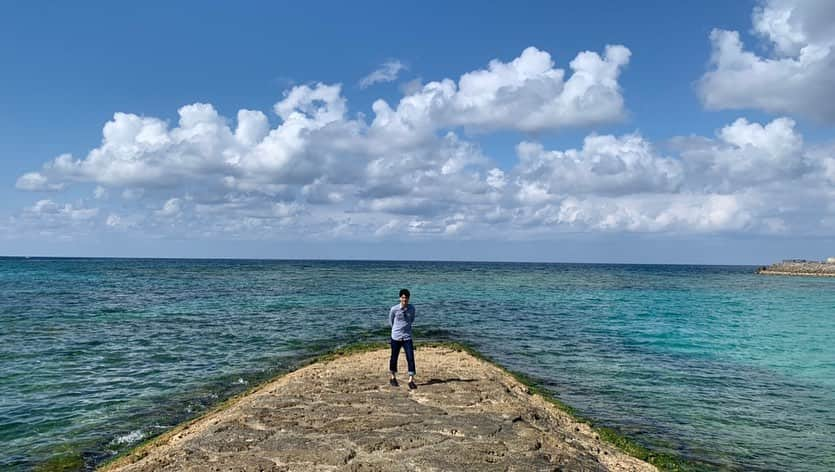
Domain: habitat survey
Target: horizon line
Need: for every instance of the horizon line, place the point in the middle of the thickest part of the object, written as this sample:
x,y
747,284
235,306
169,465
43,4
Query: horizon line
x,y
289,259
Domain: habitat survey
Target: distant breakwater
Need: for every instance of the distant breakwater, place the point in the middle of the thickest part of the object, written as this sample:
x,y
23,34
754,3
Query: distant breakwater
x,y
807,268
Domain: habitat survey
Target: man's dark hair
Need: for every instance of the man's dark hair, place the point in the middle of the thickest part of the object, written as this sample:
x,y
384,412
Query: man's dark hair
x,y
405,291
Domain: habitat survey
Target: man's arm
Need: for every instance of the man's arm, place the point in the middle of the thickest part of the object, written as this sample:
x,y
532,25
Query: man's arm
x,y
391,317
411,316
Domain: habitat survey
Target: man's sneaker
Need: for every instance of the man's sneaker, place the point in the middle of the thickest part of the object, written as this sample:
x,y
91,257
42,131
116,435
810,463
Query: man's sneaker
x,y
412,385
393,382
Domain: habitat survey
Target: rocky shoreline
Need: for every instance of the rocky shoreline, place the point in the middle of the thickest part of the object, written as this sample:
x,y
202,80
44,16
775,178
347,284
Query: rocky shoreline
x,y
341,414
805,268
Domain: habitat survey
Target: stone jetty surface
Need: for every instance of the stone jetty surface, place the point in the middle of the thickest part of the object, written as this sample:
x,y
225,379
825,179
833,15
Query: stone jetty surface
x,y
809,268
466,414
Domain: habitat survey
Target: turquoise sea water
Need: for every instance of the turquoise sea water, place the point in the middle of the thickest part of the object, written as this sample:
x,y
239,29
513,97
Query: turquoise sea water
x,y
725,368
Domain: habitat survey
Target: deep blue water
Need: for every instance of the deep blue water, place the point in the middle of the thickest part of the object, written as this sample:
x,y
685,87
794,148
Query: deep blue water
x,y
725,368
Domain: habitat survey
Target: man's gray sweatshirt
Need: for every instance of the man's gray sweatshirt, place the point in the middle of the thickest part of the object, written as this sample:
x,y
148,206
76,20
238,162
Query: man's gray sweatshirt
x,y
401,320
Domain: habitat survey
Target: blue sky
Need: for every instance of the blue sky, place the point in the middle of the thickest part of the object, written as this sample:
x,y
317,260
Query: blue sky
x,y
678,144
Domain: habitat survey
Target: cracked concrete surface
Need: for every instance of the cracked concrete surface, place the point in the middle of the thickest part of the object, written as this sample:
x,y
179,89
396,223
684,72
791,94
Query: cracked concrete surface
x,y
466,415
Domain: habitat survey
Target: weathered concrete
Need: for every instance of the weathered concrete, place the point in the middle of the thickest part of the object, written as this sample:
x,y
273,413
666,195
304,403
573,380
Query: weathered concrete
x,y
808,268
466,415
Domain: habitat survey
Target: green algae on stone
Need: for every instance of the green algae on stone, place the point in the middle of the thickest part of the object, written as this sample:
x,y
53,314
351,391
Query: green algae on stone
x,y
63,463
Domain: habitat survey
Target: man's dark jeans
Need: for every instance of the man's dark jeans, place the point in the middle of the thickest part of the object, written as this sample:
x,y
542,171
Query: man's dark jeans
x,y
395,353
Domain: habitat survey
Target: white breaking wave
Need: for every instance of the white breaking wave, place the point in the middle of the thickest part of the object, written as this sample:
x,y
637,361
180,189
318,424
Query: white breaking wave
x,y
130,438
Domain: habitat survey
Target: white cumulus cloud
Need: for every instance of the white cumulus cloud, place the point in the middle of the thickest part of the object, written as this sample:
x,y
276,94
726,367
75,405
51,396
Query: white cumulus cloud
x,y
747,154
605,165
35,181
797,76
527,94
688,213
320,172
171,208
387,72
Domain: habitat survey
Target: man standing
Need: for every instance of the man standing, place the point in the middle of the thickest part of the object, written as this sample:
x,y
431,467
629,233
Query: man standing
x,y
401,317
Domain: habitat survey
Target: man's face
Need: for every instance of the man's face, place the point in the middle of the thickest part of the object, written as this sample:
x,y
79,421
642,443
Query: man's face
x,y
404,300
